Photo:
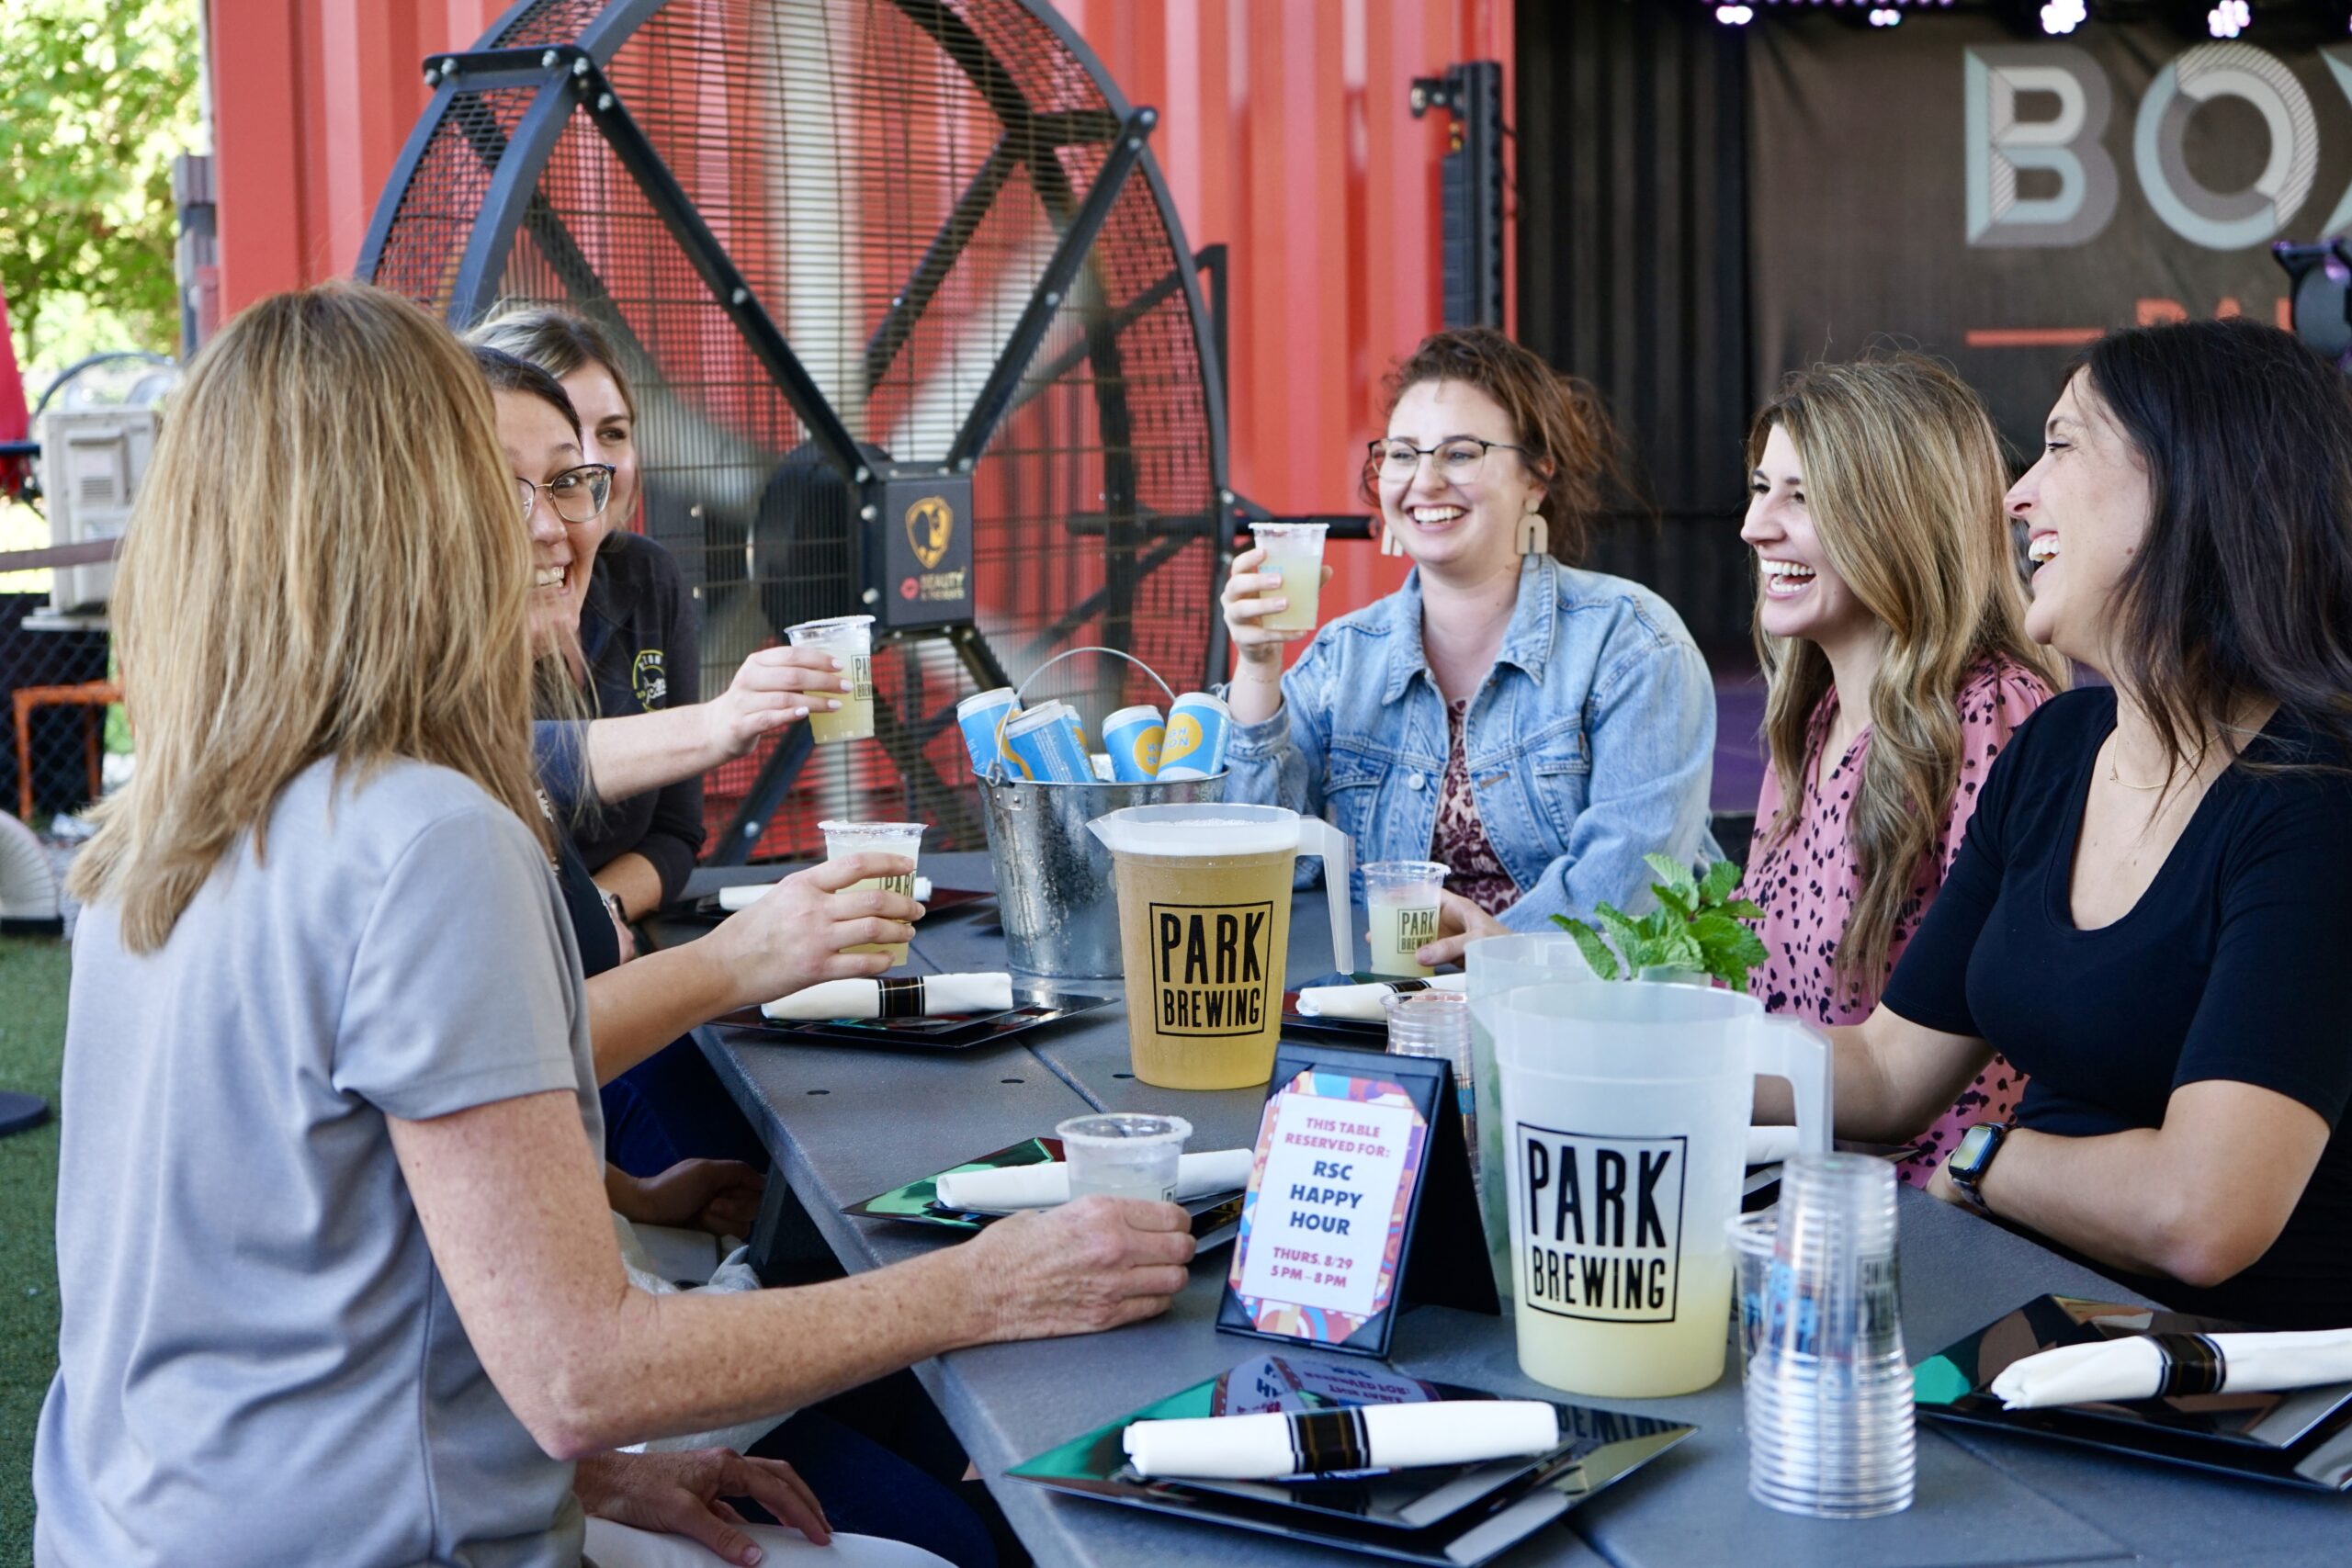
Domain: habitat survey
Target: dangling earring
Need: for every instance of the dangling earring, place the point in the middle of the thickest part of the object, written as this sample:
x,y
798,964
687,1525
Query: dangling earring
x,y
1534,533
1391,542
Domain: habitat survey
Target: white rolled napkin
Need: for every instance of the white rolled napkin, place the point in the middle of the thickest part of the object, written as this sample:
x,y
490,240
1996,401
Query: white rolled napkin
x,y
1367,1002
1042,1186
2150,1366
1771,1145
1369,1436
745,894
894,996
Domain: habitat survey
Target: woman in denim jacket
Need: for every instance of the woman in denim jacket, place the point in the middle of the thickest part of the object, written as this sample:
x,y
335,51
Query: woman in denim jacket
x,y
1535,728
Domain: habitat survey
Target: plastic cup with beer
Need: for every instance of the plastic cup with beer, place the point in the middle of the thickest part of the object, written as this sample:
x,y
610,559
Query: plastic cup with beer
x,y
1294,554
1401,898
843,840
849,639
1123,1155
1204,895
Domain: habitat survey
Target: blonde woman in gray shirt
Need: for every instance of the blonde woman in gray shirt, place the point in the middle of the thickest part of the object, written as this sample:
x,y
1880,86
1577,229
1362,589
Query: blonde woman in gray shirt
x,y
336,1269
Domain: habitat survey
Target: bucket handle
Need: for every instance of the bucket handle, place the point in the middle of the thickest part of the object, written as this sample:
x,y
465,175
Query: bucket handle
x,y
996,767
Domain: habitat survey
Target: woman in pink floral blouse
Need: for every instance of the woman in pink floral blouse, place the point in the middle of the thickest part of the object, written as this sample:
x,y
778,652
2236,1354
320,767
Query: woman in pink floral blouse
x,y
1891,628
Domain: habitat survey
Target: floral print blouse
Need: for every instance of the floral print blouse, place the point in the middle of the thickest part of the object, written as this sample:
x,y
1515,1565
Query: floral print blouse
x,y
1807,880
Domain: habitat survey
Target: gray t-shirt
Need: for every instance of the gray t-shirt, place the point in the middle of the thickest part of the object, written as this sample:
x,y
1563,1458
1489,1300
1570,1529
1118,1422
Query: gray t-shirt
x,y
258,1361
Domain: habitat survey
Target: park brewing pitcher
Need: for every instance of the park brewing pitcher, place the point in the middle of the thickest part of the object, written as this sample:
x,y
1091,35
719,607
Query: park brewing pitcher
x,y
1625,1108
1205,898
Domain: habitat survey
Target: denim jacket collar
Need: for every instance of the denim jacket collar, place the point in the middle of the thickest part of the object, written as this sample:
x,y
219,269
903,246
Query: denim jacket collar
x,y
1527,642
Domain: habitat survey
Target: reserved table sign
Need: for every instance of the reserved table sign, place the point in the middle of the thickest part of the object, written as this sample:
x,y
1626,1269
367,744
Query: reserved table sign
x,y
1344,1165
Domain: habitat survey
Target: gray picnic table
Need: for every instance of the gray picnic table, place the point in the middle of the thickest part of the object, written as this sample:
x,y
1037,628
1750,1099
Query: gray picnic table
x,y
844,1123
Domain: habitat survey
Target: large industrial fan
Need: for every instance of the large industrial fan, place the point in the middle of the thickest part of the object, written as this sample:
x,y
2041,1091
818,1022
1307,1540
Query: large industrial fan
x,y
914,333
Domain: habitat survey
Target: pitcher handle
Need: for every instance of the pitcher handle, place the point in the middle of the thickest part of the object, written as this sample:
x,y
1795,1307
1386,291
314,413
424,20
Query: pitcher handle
x,y
1786,1048
1328,843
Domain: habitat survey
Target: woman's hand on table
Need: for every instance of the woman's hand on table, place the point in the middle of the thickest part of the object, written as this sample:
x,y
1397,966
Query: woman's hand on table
x,y
794,937
771,689
685,1493
1459,923
1094,1264
721,1196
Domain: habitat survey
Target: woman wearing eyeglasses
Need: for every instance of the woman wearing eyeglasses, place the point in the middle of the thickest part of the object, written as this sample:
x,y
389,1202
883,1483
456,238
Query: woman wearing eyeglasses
x,y
1536,727
613,598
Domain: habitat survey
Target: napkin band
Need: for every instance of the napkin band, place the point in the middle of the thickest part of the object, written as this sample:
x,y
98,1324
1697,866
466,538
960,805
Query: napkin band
x,y
900,996
2193,1363
1325,1440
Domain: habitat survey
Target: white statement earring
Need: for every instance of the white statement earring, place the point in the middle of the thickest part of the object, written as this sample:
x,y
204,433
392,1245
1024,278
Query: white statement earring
x,y
1534,533
1391,542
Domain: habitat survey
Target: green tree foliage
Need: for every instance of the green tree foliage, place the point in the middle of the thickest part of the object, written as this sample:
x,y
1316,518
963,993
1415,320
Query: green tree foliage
x,y
97,97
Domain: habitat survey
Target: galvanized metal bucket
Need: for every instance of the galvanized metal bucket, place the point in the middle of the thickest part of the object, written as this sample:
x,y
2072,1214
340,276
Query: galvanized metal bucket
x,y
1053,878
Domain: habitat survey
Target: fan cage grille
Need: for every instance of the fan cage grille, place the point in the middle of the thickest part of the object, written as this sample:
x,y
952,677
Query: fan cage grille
x,y
827,145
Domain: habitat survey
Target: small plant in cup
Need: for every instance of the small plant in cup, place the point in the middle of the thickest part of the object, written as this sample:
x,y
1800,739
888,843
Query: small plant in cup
x,y
1695,929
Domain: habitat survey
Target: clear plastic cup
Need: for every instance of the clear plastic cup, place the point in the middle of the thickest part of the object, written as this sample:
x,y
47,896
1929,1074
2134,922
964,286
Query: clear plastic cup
x,y
1124,1154
1294,554
1752,1237
1830,1399
849,639
1401,896
845,839
1437,1023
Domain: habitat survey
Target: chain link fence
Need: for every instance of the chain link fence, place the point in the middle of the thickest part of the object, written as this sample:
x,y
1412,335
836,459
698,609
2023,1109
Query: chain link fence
x,y
53,764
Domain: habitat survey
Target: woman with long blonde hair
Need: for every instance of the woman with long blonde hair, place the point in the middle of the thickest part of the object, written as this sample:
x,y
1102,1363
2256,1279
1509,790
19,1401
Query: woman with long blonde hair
x,y
336,1270
1890,623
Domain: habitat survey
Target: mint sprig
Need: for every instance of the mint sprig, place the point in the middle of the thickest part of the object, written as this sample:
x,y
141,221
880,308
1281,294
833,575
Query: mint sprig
x,y
1695,926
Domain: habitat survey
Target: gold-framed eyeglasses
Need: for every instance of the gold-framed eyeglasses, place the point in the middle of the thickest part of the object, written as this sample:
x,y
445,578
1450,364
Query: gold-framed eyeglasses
x,y
1459,458
577,494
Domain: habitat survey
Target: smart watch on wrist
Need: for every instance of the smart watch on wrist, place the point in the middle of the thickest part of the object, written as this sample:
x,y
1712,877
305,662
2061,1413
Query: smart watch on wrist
x,y
1972,1157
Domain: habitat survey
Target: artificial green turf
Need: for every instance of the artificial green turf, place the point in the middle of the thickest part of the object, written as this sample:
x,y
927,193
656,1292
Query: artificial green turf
x,y
32,1047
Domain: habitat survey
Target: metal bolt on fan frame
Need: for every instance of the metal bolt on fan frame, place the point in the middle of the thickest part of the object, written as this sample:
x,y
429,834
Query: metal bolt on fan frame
x,y
913,330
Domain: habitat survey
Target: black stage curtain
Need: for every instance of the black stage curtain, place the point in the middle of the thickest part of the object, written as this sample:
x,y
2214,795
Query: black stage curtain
x,y
1633,246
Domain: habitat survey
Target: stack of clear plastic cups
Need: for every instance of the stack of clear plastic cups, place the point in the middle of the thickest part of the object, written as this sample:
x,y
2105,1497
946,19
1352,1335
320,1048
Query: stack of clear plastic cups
x,y
1752,1240
1829,1414
1437,1023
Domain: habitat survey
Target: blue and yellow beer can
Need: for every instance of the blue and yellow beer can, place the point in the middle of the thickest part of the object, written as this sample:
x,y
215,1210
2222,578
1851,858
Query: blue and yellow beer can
x,y
978,718
1042,746
1198,727
1133,736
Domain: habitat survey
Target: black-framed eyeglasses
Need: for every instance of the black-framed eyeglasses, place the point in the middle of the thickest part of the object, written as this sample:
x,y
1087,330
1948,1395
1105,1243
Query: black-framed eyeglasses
x,y
1459,458
577,494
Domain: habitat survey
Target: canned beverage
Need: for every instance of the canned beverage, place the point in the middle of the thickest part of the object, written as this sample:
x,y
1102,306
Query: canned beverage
x,y
978,718
1042,746
1134,736
1198,726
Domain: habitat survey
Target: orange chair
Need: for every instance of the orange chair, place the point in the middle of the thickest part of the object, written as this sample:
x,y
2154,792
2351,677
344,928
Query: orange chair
x,y
93,697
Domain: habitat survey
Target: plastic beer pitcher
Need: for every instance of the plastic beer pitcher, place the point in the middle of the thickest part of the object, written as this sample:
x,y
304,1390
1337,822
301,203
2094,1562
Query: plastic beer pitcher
x,y
1204,896
1625,1108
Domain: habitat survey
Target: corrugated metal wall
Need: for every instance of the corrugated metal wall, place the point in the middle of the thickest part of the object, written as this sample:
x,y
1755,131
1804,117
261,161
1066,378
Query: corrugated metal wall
x,y
1632,261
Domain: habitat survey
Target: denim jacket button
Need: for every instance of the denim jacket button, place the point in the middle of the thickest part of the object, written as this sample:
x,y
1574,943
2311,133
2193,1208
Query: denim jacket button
x,y
1413,781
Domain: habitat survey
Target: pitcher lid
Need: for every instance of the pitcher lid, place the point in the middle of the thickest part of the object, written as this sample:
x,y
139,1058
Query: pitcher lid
x,y
1208,828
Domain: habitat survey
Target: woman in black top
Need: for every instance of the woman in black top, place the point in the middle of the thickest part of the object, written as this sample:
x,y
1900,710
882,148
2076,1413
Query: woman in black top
x,y
2145,917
